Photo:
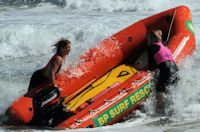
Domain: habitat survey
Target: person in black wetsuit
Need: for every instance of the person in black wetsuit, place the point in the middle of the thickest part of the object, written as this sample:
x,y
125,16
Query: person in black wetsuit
x,y
49,72
161,57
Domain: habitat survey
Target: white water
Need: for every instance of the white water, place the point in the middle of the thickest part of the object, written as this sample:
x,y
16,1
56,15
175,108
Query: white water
x,y
27,33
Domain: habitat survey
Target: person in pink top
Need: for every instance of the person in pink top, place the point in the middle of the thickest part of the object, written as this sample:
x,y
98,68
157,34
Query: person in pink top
x,y
161,57
48,73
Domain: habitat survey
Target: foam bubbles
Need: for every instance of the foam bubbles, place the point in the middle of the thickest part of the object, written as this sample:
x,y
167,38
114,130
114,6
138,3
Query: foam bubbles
x,y
108,5
26,36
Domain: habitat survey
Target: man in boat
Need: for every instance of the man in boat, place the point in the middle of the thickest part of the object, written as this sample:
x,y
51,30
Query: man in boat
x,y
161,57
49,72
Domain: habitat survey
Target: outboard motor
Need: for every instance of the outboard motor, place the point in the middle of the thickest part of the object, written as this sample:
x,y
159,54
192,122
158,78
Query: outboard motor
x,y
46,103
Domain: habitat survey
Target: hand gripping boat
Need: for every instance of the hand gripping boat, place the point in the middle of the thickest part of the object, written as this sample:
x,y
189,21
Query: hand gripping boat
x,y
105,85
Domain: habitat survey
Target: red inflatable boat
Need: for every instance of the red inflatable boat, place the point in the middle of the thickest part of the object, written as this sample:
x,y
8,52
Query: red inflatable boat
x,y
105,85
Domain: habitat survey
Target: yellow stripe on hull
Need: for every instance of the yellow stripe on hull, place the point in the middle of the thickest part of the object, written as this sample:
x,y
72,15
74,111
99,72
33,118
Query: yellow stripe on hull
x,y
117,75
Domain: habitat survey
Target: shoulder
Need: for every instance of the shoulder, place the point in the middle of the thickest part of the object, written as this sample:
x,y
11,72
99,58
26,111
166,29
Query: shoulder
x,y
57,59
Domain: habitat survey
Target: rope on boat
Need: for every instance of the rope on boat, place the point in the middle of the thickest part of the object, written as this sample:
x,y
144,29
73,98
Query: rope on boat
x,y
170,28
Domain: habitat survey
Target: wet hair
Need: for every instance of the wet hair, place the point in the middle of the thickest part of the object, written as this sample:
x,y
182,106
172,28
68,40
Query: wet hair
x,y
61,44
155,34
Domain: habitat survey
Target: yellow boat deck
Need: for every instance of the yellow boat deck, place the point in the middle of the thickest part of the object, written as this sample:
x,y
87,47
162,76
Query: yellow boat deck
x,y
117,75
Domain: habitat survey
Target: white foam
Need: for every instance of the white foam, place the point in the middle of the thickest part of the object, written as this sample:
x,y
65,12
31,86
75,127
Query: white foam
x,y
108,5
26,36
128,5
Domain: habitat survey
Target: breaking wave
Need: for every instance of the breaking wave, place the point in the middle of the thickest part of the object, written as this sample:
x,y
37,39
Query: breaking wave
x,y
107,5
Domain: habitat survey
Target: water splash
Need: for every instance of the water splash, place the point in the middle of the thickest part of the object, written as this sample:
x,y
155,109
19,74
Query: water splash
x,y
108,5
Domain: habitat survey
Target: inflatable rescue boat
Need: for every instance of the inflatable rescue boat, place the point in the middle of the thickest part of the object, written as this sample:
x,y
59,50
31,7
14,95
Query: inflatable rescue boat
x,y
108,85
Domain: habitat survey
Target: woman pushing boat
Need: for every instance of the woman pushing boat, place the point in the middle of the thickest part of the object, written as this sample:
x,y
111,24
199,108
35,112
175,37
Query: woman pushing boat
x,y
49,72
161,57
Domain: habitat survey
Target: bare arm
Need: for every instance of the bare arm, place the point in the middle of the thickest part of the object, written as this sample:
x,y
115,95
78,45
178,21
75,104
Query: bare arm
x,y
55,64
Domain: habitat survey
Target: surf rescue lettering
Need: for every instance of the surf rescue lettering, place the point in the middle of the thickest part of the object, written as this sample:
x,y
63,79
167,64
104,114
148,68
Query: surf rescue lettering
x,y
122,106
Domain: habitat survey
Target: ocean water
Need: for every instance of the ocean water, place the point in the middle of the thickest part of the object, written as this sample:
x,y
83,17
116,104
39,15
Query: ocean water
x,y
29,28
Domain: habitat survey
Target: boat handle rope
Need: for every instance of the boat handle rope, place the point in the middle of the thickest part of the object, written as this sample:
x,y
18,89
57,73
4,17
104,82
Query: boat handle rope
x,y
78,121
112,100
170,28
88,89
121,92
107,102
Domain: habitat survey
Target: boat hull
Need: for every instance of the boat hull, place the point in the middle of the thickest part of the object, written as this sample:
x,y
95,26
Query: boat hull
x,y
110,53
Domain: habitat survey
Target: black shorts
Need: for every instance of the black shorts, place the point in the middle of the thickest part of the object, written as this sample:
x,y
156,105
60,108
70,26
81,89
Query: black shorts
x,y
36,79
168,75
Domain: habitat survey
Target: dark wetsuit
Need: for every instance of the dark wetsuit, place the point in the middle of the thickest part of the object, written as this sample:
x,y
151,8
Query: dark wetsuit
x,y
38,78
168,70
